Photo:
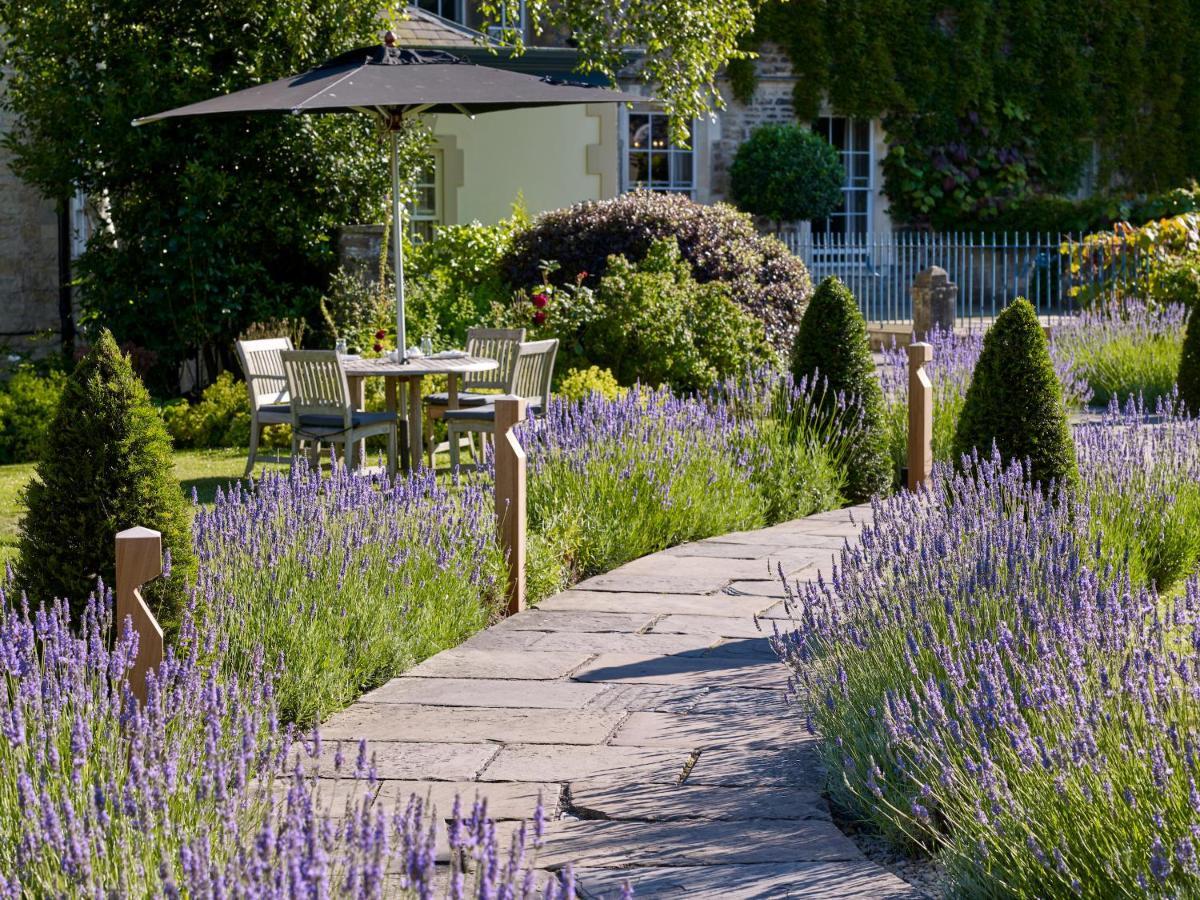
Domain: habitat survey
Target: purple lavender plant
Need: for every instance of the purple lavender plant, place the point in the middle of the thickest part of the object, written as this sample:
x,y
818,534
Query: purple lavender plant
x,y
997,683
347,579
199,792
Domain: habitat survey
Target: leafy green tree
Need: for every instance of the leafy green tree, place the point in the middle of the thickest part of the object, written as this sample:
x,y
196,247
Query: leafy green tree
x,y
208,224
682,44
1015,400
106,466
832,344
786,173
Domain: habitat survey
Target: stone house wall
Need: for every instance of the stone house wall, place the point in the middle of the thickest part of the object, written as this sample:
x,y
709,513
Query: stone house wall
x,y
28,258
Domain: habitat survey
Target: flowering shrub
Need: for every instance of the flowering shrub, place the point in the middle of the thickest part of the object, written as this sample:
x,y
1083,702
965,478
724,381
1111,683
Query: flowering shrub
x,y
1123,349
998,681
717,242
580,383
199,792
348,580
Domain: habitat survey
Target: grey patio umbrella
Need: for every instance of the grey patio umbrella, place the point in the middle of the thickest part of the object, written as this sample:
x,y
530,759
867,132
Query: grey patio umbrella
x,y
391,83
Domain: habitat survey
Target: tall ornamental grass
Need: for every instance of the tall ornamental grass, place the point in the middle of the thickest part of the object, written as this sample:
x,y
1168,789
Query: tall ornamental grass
x,y
199,792
1124,350
997,682
613,480
344,580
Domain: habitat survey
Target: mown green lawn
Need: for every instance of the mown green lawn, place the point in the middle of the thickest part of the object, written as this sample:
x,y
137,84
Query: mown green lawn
x,y
204,470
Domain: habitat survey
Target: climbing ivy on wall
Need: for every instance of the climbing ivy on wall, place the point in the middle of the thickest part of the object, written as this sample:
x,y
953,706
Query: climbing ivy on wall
x,y
988,101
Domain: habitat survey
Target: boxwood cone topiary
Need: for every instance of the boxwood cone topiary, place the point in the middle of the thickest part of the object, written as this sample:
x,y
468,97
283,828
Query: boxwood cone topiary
x,y
832,344
1016,401
106,466
1189,364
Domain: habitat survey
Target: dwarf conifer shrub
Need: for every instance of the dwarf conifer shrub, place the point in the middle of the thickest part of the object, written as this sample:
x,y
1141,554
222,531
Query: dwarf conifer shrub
x,y
1189,364
718,242
832,344
106,466
1016,401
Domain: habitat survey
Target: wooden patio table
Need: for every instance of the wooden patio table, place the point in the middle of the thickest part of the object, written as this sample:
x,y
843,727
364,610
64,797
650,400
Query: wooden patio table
x,y
412,371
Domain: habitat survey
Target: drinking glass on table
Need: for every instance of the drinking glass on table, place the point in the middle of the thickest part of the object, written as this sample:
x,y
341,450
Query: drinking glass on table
x,y
427,346
340,347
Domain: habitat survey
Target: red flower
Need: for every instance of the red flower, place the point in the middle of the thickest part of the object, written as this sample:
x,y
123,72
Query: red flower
x,y
380,334
378,348
540,300
539,317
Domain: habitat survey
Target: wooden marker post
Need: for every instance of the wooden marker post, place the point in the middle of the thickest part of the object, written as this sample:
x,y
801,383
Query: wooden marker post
x,y
139,560
510,496
920,416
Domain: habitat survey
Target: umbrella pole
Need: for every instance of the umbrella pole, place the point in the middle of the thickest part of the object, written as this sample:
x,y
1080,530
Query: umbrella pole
x,y
398,245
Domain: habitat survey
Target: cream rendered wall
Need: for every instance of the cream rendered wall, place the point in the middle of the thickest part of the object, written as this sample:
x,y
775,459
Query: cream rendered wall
x,y
541,154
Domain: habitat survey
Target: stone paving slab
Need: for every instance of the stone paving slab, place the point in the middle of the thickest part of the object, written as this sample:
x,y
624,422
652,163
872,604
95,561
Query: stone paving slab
x,y
683,670
658,802
599,843
508,694
647,708
518,664
615,642
857,880
469,724
559,762
697,732
722,605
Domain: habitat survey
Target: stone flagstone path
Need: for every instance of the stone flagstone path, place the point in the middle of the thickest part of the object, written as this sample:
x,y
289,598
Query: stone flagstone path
x,y
647,708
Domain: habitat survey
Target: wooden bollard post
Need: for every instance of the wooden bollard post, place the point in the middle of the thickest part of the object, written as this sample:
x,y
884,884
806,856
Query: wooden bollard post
x,y
139,560
510,496
920,416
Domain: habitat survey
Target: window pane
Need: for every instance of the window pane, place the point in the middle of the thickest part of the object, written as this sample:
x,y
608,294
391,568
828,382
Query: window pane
x,y
862,169
683,169
862,134
857,201
639,132
660,168
639,168
838,133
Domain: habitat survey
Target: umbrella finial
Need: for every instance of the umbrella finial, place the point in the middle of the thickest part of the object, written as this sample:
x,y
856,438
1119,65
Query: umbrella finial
x,y
389,38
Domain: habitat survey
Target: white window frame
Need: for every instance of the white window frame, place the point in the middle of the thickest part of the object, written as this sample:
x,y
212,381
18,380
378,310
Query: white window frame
x,y
672,185
497,31
846,155
437,215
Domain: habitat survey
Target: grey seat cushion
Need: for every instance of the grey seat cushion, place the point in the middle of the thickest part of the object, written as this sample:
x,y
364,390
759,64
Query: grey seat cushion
x,y
279,409
465,398
482,413
358,420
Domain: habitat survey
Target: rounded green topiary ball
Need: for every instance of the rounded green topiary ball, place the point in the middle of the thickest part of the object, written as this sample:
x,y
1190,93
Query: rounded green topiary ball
x,y
832,344
1015,401
786,173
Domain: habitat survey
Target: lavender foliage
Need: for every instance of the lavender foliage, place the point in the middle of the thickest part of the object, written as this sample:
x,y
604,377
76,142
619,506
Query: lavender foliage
x,y
345,579
200,792
998,679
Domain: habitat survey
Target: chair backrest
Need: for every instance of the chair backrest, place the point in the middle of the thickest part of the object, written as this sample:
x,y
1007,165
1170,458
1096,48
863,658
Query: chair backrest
x,y
535,368
318,385
499,344
263,369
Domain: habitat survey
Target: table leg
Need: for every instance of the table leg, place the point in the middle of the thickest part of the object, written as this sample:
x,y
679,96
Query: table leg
x,y
415,422
358,390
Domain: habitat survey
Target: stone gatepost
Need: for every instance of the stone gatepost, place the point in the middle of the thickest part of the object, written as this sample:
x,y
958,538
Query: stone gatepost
x,y
934,297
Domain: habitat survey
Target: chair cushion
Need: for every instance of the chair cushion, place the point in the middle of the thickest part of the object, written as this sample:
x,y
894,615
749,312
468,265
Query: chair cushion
x,y
276,409
483,413
357,420
465,398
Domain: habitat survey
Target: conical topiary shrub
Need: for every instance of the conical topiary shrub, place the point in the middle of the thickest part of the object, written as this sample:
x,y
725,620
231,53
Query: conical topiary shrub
x,y
106,467
1016,401
1189,364
832,343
